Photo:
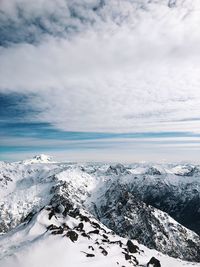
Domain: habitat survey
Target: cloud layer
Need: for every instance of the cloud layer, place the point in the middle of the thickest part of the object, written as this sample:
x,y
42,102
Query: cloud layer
x,y
104,66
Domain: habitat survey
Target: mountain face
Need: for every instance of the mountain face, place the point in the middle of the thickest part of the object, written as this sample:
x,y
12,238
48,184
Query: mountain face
x,y
126,215
95,214
175,191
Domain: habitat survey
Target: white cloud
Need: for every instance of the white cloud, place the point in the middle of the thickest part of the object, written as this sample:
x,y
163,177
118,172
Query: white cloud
x,y
134,69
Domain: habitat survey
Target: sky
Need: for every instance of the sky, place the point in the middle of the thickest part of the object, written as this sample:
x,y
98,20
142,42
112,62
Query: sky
x,y
100,80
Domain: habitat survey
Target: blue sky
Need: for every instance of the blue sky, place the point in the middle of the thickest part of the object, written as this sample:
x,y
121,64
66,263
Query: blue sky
x,y
88,80
21,138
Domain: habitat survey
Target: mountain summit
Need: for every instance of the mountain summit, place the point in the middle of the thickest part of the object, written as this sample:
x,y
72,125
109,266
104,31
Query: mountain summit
x,y
42,158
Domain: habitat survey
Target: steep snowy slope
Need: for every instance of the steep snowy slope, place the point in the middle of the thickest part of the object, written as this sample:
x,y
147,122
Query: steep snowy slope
x,y
24,189
174,189
73,239
35,195
128,216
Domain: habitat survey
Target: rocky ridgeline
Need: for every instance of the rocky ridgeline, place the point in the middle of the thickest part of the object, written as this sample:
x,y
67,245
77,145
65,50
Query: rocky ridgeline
x,y
100,238
126,215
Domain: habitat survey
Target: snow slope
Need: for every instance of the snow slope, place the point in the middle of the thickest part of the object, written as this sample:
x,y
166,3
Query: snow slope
x,y
121,211
31,244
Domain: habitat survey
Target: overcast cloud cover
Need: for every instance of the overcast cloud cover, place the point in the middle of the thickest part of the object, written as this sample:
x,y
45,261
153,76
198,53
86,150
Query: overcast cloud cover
x,y
115,66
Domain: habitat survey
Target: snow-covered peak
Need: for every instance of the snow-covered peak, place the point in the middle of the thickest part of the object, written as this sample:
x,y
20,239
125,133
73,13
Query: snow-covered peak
x,y
185,170
42,158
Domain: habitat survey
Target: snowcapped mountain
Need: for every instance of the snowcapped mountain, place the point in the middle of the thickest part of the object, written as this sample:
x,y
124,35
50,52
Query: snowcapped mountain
x,y
92,215
174,189
126,215
38,159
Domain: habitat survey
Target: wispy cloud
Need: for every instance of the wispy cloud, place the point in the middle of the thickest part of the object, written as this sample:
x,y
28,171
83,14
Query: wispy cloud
x,y
103,65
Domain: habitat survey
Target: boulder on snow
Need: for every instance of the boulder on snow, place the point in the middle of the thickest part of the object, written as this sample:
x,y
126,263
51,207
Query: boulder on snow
x,y
52,227
84,218
131,247
154,262
85,235
88,254
127,256
79,227
103,251
55,230
94,232
72,235
59,231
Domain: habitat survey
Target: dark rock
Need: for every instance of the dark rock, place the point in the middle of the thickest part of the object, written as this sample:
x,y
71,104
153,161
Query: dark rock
x,y
72,235
58,232
105,236
103,251
131,247
29,217
94,232
96,225
85,235
79,227
52,227
55,229
88,254
68,207
65,226
51,214
127,256
153,261
84,218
